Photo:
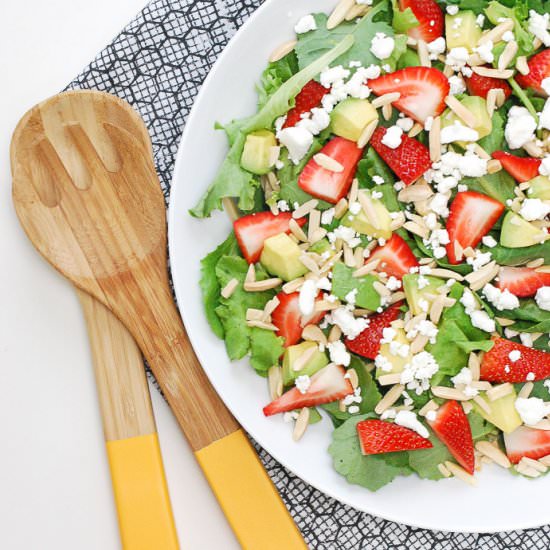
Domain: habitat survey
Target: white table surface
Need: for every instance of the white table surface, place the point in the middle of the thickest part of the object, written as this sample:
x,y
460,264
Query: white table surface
x,y
55,488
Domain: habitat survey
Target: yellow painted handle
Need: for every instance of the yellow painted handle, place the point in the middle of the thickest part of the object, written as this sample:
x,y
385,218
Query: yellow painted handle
x,y
247,496
143,504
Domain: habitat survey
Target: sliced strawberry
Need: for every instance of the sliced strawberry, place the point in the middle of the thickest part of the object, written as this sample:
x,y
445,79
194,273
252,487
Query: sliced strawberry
x,y
430,18
480,85
288,318
539,69
327,385
326,184
522,281
496,366
367,343
423,91
377,436
252,230
471,217
309,97
529,442
409,160
520,168
396,257
452,427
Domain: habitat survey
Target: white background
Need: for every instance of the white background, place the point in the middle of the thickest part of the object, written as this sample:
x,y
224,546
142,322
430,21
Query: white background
x,y
54,482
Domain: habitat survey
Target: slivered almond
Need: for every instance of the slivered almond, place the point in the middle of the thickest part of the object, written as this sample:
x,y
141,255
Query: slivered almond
x,y
349,258
419,343
317,235
313,223
521,65
260,286
253,314
507,55
504,322
444,470
431,405
493,73
543,269
366,134
396,297
261,324
522,468
358,10
341,208
467,407
449,393
393,394
535,263
335,333
415,192
481,152
381,289
537,43
533,149
423,54
325,305
475,59
462,112
526,390
284,49
460,473
301,425
369,210
230,208
229,288
250,274
339,13
491,101
270,307
310,263
358,255
436,310
353,191
329,263
305,208
293,286
545,460
458,250
434,139
389,379
275,382
496,392
314,334
367,268
387,111
495,34
385,99
494,166
494,453
328,163
296,230
481,385
351,374
535,464
413,227
446,273
415,130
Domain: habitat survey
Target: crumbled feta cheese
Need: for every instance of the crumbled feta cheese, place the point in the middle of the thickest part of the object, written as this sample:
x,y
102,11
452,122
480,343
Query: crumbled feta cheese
x,y
534,209
388,335
544,115
405,123
464,377
544,168
306,300
485,51
382,45
378,180
520,127
480,319
436,47
347,234
542,298
439,204
479,259
316,122
305,24
532,409
303,382
356,87
489,241
393,136
297,140
350,325
458,132
388,414
383,363
526,339
545,85
333,75
283,206
351,296
457,57
338,353
393,284
508,36
354,208
501,299
279,122
538,25
327,216
514,355
353,409
473,166
417,373
457,85
428,123
452,9
480,20
408,419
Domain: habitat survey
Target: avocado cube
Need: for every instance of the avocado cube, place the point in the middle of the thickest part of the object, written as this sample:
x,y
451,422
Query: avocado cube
x,y
462,30
350,117
416,296
281,257
257,151
539,188
292,353
503,413
397,360
379,228
478,106
517,232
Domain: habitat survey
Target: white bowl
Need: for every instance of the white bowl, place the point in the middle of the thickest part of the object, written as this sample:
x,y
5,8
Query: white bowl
x,y
501,502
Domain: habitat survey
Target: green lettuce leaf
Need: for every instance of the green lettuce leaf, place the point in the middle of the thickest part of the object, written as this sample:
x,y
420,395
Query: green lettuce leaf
x,y
265,350
232,180
519,256
403,20
232,310
274,76
209,284
344,282
495,140
370,471
529,317
314,43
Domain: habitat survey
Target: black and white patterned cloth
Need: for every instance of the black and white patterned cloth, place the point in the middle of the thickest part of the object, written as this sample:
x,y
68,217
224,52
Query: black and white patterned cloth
x,y
158,63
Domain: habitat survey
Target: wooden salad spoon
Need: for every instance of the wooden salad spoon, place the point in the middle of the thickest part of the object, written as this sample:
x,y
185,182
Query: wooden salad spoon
x,y
91,203
142,500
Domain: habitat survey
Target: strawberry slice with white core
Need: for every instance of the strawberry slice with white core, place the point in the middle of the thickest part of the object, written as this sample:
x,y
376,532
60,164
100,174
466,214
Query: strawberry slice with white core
x,y
326,184
539,69
378,436
522,281
429,16
423,91
252,231
452,427
471,217
288,318
528,442
520,168
327,385
395,257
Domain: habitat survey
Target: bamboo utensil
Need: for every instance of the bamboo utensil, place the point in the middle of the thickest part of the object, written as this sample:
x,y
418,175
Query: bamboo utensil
x,y
89,199
141,495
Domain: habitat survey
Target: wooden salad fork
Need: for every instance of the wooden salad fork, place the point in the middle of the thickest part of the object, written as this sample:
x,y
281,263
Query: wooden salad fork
x,y
91,203
142,500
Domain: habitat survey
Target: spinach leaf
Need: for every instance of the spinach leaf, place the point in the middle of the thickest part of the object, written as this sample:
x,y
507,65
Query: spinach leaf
x,y
519,256
343,282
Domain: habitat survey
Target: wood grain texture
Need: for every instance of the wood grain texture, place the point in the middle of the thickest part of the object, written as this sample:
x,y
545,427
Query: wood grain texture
x,y
108,236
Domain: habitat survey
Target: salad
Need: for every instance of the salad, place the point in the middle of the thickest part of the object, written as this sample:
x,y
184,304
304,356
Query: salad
x,y
389,264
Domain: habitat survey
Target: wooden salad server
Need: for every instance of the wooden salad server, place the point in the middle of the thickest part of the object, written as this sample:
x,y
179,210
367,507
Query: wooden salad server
x,y
91,203
141,495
